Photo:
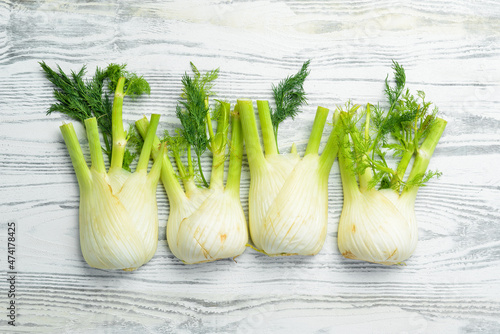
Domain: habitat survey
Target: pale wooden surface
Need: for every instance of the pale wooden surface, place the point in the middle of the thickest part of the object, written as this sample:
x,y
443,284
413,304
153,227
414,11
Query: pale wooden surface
x,y
450,50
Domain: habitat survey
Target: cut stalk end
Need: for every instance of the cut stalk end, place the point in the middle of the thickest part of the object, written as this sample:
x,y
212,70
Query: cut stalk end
x,y
118,134
236,155
219,144
332,147
167,174
317,131
82,171
148,143
95,145
266,125
250,133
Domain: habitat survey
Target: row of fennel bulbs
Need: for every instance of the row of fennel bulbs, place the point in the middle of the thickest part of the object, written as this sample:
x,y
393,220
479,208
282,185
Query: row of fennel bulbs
x,y
288,198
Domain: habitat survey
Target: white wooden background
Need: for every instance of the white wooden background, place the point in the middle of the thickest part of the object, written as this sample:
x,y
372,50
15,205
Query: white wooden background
x,y
450,50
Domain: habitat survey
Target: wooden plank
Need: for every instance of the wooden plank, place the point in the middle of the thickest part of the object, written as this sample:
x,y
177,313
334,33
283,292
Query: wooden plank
x,y
450,50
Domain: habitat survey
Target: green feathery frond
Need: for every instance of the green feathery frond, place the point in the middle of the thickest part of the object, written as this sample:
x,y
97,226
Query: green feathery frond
x,y
134,85
81,99
398,130
289,96
193,113
393,93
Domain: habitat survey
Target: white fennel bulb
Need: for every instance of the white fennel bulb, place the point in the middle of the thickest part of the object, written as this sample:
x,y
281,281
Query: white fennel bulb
x,y
118,212
266,183
288,199
215,230
380,225
119,228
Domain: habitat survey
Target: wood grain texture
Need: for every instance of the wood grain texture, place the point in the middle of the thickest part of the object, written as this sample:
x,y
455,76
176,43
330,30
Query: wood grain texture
x,y
450,49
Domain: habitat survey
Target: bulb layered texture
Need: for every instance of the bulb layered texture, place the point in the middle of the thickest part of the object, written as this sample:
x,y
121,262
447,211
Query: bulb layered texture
x,y
118,212
207,224
288,199
378,226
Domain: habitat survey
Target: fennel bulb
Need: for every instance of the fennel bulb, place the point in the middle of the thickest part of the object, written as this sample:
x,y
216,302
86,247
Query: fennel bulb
x,y
208,223
288,199
379,225
118,212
